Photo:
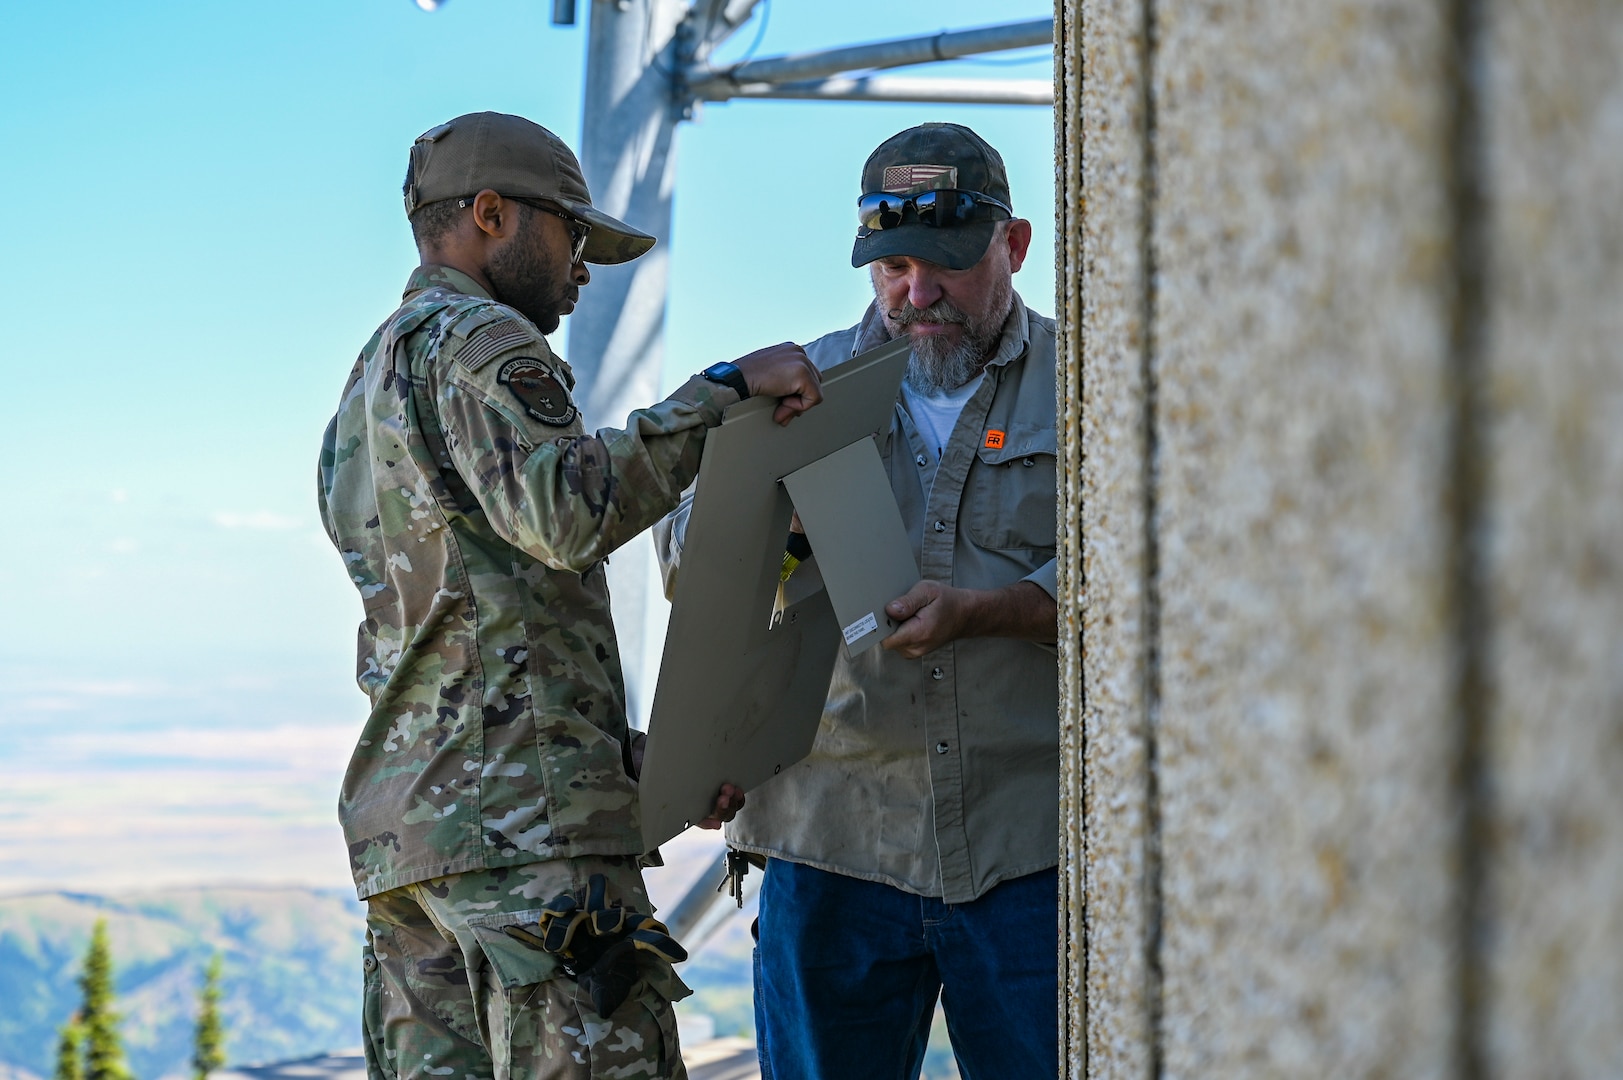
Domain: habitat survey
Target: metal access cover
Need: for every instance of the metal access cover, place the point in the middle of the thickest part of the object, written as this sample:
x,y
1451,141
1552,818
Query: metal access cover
x,y
739,700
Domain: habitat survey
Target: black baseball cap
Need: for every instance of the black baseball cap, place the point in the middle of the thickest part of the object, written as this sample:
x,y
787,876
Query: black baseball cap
x,y
514,156
924,158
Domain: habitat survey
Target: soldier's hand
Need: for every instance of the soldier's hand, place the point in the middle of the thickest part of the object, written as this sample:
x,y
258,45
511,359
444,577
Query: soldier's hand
x,y
729,801
786,373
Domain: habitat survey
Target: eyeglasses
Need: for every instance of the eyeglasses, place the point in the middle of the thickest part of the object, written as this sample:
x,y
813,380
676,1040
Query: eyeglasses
x,y
944,208
578,229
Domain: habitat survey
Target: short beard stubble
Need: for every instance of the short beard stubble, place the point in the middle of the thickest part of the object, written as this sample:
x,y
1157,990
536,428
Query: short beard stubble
x,y
522,278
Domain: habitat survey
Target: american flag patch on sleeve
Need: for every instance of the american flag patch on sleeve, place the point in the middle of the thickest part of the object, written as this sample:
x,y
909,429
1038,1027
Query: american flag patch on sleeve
x,y
491,340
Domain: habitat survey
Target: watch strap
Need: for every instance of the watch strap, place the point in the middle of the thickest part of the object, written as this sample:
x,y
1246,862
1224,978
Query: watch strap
x,y
727,374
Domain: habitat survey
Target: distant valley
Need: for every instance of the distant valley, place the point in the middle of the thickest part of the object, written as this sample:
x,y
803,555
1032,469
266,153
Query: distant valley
x,y
291,972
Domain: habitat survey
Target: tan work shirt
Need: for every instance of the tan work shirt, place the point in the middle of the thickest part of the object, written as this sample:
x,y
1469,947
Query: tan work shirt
x,y
939,776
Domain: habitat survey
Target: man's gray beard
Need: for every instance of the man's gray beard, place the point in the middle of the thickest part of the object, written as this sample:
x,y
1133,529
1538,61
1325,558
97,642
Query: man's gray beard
x,y
935,366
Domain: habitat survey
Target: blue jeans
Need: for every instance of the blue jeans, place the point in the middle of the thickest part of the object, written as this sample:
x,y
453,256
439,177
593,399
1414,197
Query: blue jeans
x,y
847,973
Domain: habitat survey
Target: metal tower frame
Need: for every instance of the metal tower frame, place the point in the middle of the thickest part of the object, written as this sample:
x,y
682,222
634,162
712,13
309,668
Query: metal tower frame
x,y
648,69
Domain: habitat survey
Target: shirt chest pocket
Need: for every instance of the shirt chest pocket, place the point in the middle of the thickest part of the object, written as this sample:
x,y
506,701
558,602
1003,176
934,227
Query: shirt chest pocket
x,y
1009,499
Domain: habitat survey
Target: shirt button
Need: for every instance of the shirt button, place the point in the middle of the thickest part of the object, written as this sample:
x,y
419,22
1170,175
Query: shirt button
x,y
921,460
937,674
1029,462
369,962
941,748
941,526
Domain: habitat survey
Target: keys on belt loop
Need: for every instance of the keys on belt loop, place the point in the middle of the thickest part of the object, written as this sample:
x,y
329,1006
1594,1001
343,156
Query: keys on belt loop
x,y
738,864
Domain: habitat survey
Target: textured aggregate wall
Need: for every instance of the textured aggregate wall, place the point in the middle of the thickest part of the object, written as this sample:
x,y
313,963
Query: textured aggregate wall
x,y
1553,94
1072,990
1100,119
1343,718
1301,329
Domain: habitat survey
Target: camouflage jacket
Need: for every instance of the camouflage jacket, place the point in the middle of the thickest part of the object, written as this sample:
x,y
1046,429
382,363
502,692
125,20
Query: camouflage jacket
x,y
473,512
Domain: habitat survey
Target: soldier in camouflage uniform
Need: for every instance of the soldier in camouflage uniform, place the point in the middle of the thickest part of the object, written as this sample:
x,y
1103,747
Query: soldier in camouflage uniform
x,y
490,807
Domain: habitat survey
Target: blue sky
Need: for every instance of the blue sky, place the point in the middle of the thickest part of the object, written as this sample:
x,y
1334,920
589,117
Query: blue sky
x,y
202,227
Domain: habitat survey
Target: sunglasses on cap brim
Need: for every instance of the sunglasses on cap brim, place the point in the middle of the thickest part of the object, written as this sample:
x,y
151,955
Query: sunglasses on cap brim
x,y
943,208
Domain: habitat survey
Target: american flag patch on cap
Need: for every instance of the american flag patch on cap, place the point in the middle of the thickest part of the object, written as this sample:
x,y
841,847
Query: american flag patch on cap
x,y
906,179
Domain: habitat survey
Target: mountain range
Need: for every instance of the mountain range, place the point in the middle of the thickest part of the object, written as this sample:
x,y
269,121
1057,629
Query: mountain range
x,y
291,980
291,977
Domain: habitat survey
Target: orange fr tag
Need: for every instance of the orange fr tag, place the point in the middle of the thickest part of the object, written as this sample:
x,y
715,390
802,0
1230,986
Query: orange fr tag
x,y
994,439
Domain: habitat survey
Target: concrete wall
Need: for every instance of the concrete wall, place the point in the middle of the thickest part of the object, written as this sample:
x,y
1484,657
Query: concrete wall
x,y
1343,458
1553,121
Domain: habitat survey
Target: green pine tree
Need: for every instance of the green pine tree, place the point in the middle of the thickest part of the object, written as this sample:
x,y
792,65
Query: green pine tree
x,y
69,1066
104,1052
208,1044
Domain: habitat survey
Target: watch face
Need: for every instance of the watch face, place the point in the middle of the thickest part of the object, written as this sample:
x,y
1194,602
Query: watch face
x,y
727,374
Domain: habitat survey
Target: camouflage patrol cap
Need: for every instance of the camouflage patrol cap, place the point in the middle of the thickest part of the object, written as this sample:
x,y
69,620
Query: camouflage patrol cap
x,y
933,157
514,156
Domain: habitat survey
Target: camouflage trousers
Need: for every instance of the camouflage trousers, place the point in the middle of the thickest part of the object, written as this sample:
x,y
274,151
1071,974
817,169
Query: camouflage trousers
x,y
451,996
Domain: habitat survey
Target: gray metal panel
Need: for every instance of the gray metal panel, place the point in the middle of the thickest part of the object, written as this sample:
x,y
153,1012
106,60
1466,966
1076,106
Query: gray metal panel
x,y
850,516
738,701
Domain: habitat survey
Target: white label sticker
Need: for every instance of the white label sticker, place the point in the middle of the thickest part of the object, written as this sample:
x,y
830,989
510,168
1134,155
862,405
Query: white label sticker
x,y
861,628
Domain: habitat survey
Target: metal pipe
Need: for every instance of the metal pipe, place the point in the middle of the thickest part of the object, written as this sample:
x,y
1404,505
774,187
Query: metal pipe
x,y
705,908
947,45
697,902
706,25
721,17
737,11
563,12
881,88
617,333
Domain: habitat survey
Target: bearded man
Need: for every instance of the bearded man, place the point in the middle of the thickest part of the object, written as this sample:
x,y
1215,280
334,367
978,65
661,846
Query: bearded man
x,y
912,855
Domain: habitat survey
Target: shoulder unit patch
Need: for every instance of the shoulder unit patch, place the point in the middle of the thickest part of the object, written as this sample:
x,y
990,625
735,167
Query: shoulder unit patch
x,y
538,390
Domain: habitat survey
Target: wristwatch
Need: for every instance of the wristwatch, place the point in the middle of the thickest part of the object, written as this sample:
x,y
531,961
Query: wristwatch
x,y
727,374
